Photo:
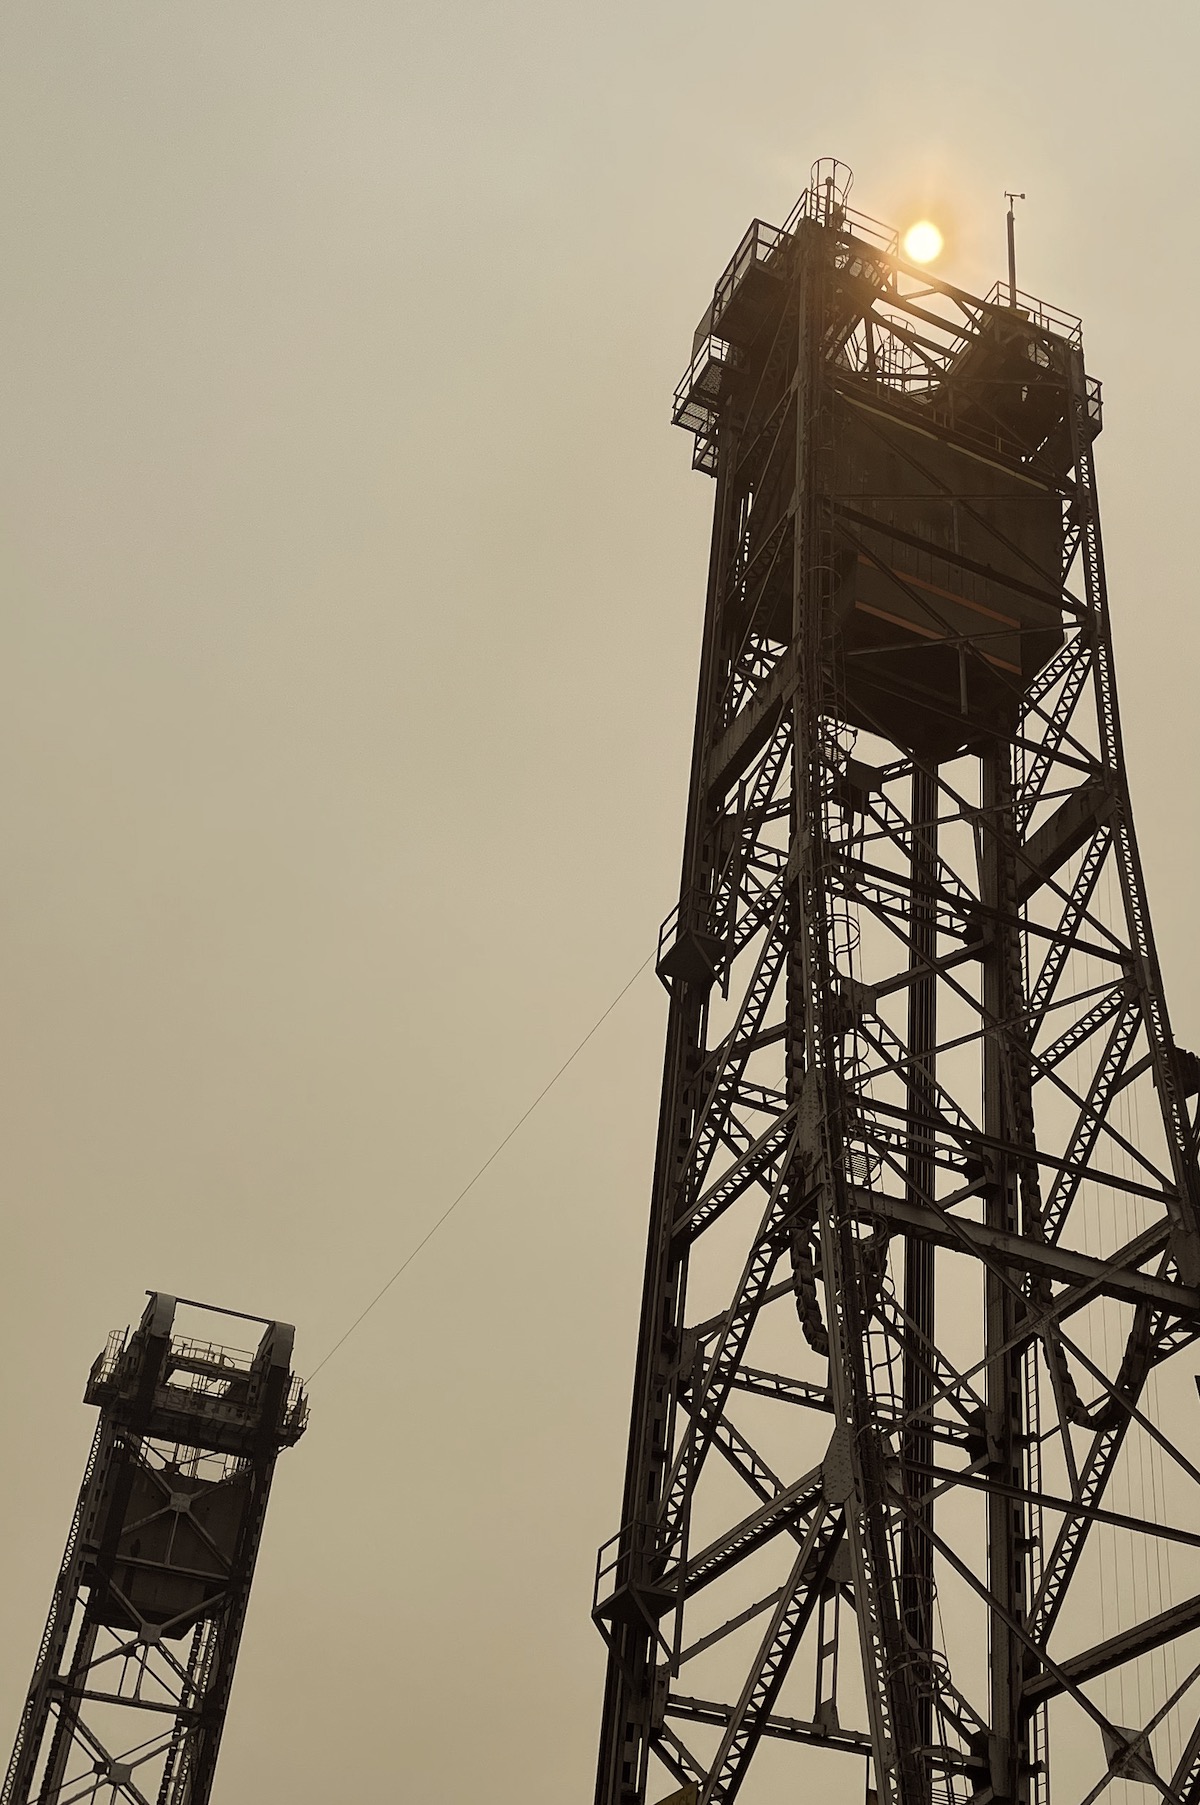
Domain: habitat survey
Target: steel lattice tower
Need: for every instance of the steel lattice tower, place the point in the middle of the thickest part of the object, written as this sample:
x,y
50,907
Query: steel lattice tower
x,y
133,1676
923,1247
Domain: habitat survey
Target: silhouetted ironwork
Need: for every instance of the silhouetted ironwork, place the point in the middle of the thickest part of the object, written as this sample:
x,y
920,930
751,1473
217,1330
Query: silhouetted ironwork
x,y
923,1236
133,1676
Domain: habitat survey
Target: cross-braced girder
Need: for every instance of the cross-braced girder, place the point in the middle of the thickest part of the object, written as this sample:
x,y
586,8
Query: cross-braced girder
x,y
924,1250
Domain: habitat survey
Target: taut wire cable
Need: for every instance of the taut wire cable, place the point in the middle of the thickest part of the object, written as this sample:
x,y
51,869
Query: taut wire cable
x,y
476,1176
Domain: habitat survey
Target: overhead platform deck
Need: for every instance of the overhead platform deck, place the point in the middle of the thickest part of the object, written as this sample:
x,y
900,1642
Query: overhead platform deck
x,y
944,489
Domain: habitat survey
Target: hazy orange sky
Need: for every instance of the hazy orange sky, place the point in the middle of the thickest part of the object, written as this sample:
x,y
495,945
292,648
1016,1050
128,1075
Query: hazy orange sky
x,y
353,579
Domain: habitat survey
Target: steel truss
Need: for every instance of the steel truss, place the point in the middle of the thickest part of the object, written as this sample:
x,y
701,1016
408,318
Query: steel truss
x,y
135,1667
923,1239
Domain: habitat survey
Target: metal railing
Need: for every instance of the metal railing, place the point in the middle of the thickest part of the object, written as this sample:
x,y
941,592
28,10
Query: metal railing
x,y
108,1361
295,1412
1039,313
210,1353
620,1560
812,205
700,390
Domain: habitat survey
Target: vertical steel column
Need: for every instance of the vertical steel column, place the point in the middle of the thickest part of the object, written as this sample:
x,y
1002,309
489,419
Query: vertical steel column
x,y
1005,1395
629,1679
916,1574
901,1770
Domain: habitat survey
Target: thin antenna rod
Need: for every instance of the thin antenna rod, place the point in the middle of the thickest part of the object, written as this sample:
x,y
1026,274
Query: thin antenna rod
x,y
1012,198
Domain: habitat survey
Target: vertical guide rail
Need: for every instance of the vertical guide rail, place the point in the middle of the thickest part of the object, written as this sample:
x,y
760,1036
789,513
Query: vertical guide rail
x,y
1039,1725
1031,773
1147,974
35,1716
916,1454
632,1632
816,1044
1005,1426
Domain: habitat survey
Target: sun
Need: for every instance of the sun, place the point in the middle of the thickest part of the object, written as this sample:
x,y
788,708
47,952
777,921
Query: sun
x,y
923,242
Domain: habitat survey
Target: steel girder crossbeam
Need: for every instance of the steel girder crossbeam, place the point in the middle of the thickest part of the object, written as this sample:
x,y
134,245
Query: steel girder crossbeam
x,y
926,1176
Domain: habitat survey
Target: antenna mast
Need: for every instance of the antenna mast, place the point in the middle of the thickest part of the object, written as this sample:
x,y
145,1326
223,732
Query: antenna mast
x,y
1012,198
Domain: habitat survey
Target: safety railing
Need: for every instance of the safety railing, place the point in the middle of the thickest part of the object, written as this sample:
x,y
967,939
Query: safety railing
x,y
107,1363
623,1560
1038,313
704,384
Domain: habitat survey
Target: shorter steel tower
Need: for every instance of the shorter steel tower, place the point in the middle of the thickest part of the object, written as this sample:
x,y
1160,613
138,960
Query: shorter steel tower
x,y
133,1676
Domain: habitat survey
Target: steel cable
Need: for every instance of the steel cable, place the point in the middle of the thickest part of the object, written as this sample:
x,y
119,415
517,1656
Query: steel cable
x,y
478,1174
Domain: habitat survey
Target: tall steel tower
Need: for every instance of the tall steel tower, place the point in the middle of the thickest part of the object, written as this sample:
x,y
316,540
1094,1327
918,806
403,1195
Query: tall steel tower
x,y
912,1482
132,1680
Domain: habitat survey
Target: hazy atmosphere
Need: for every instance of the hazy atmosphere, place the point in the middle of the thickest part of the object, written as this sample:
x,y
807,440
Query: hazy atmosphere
x,y
353,585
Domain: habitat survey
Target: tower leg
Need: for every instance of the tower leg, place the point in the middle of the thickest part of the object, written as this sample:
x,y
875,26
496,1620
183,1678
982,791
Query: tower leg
x,y
916,1579
1005,1408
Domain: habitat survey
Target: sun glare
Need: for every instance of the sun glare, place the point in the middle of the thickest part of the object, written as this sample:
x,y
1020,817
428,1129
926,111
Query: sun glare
x,y
922,242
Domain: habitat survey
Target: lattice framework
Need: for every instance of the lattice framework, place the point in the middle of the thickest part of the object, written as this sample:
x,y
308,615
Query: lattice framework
x,y
923,1238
